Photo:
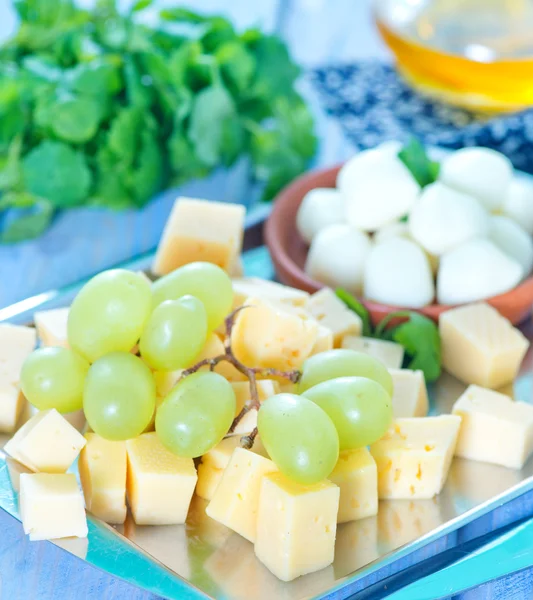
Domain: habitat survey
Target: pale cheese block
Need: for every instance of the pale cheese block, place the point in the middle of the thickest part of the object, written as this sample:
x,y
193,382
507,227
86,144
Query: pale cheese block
x,y
324,340
51,506
331,312
247,423
296,526
237,268
494,428
200,230
265,389
356,475
410,397
102,467
51,326
236,498
389,353
209,477
480,346
46,443
159,484
256,287
414,456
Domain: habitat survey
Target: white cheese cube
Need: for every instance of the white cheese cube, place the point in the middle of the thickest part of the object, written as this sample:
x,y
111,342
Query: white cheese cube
x,y
296,526
51,506
414,456
480,346
265,389
409,398
494,428
324,340
266,290
47,443
51,326
248,423
331,312
389,353
402,521
160,484
356,475
199,230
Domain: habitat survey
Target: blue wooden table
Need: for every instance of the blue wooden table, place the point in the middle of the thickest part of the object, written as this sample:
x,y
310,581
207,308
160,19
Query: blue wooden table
x,y
83,242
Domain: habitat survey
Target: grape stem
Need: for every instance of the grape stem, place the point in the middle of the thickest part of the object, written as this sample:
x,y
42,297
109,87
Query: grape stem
x,y
251,373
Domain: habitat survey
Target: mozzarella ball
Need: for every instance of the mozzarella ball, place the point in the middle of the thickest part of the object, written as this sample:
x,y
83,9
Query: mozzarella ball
x,y
444,218
319,208
377,189
518,203
393,230
513,240
397,273
480,172
475,271
337,257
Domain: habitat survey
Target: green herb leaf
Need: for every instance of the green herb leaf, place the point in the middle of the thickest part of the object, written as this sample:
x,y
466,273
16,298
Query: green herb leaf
x,y
414,157
237,65
75,120
181,14
26,226
358,308
141,5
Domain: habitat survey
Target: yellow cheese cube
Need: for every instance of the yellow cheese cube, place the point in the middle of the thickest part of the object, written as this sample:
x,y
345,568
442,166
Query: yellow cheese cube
x,y
402,521
410,397
296,526
331,312
389,353
102,467
51,326
414,456
237,268
199,230
324,340
255,287
236,498
265,389
160,484
480,346
209,477
51,506
47,442
356,475
494,428
248,423
267,336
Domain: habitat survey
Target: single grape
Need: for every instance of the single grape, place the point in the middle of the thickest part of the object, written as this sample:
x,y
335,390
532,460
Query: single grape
x,y
119,396
109,313
299,437
343,363
205,281
54,378
359,407
174,334
196,414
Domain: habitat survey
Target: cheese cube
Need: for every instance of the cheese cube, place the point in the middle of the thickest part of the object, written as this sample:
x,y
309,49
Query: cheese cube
x,y
266,290
494,428
47,442
356,475
51,326
16,343
102,467
267,336
248,423
296,526
235,501
414,456
324,340
199,230
389,353
237,268
331,312
51,506
410,397
159,484
480,346
265,389
208,479
402,521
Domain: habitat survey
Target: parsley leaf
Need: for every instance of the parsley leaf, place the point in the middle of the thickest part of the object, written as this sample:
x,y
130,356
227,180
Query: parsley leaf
x,y
359,309
414,157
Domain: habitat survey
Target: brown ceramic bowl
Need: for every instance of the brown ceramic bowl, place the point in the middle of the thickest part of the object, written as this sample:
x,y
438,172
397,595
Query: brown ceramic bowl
x,y
289,252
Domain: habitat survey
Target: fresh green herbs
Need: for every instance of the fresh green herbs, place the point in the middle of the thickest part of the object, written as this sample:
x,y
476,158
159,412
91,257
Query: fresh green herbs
x,y
100,108
416,333
415,158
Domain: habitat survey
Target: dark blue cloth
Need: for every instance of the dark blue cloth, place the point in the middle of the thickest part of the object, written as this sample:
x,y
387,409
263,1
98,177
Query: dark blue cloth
x,y
374,104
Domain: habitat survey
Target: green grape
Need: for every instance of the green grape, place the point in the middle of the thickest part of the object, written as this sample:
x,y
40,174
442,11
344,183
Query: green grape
x,y
119,396
299,437
196,414
359,407
205,281
109,313
174,334
343,363
54,378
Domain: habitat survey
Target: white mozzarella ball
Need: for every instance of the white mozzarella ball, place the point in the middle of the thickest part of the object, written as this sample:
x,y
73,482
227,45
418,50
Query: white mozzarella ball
x,y
475,271
480,172
393,230
337,257
444,218
319,208
397,273
513,240
518,203
377,189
